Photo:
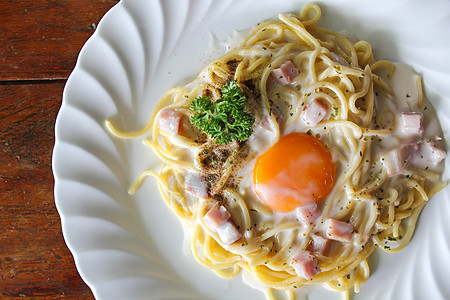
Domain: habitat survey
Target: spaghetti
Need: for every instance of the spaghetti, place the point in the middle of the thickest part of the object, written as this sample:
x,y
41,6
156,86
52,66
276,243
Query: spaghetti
x,y
386,168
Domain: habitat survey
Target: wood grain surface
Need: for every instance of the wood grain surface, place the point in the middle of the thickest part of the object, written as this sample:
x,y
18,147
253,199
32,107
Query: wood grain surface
x,y
39,45
42,39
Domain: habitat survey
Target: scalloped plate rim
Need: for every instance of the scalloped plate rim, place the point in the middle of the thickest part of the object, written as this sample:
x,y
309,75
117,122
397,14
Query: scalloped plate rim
x,y
58,144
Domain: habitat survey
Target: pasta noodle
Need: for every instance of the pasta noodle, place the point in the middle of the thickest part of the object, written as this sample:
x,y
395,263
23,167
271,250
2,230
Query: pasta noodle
x,y
360,127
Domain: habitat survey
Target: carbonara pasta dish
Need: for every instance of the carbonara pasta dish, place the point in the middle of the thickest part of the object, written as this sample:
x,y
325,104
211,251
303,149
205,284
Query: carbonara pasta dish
x,y
295,155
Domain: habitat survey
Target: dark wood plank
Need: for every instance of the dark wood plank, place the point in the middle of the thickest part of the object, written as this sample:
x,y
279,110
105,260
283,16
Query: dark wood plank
x,y
42,39
34,260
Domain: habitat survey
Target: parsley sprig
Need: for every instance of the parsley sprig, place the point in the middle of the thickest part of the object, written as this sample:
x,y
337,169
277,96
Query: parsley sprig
x,y
225,119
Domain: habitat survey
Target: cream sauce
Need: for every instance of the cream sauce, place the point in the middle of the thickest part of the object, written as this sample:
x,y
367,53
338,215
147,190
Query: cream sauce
x,y
404,84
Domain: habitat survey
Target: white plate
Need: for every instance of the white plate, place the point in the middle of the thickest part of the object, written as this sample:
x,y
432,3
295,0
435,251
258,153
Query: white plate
x,y
132,247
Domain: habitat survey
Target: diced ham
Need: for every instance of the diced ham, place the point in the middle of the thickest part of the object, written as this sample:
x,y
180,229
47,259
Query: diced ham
x,y
425,153
228,233
339,231
218,219
308,213
306,265
319,245
430,153
196,185
398,159
411,123
285,73
169,120
437,153
314,112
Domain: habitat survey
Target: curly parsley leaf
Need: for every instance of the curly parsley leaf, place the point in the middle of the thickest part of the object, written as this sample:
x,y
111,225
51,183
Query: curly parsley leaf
x,y
225,119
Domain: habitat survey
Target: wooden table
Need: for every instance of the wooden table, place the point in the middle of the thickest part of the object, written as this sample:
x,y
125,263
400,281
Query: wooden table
x,y
39,44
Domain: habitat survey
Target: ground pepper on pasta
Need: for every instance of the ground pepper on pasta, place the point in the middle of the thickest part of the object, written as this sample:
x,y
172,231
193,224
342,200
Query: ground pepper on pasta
x,y
381,158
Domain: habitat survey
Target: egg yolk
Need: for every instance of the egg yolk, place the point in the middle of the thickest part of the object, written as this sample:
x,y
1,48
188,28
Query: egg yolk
x,y
296,171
